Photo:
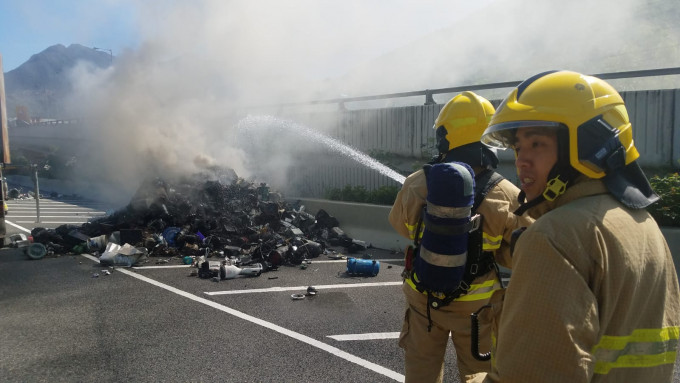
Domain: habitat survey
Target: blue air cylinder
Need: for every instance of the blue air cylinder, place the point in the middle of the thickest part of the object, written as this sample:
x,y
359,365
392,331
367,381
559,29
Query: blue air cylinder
x,y
368,267
440,264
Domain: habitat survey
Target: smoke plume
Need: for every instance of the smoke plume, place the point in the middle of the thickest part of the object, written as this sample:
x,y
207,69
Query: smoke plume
x,y
172,104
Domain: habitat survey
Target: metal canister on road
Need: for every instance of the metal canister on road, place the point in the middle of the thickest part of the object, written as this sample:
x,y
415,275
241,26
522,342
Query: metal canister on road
x,y
367,267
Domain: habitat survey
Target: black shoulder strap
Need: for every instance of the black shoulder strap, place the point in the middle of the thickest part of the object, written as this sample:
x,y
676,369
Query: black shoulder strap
x,y
483,183
419,225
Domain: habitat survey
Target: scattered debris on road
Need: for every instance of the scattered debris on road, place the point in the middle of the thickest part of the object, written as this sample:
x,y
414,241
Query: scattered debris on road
x,y
223,225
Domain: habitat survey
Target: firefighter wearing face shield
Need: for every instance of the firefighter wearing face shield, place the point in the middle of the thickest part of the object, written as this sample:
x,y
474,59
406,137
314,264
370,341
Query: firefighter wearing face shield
x,y
434,316
594,294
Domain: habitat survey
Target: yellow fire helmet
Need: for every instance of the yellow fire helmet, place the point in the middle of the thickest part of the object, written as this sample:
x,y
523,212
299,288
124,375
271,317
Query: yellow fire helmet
x,y
600,142
591,109
462,121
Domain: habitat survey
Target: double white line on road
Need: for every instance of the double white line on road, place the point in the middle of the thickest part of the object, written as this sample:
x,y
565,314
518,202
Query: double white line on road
x,y
366,336
298,288
281,330
312,263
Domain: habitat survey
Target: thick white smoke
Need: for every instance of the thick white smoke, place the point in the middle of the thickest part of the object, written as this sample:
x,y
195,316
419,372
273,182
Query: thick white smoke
x,y
172,102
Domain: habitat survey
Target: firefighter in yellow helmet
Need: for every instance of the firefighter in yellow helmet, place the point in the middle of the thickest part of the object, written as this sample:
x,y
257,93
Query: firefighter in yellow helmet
x,y
594,294
426,328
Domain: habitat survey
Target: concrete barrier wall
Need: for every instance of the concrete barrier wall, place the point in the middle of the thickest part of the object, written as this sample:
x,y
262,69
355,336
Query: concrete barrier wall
x,y
361,221
369,223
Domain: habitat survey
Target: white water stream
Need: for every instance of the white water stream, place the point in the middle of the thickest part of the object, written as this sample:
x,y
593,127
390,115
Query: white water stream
x,y
248,125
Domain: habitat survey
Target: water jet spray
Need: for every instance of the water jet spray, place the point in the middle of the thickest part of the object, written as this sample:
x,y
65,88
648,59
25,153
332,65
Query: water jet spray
x,y
247,127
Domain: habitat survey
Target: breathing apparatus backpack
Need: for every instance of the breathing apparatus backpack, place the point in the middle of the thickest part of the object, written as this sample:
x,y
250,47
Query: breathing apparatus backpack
x,y
450,256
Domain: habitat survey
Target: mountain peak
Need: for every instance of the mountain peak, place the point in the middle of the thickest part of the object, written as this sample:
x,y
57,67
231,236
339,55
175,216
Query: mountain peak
x,y
42,82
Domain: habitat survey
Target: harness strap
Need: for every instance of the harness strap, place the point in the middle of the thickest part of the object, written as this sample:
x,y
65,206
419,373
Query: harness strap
x,y
429,317
489,179
419,226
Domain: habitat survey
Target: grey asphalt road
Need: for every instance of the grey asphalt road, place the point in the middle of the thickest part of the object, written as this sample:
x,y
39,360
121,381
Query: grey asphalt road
x,y
60,323
158,323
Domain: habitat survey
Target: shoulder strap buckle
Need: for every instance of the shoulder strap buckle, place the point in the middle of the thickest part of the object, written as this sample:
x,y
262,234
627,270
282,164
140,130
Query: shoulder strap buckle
x,y
476,221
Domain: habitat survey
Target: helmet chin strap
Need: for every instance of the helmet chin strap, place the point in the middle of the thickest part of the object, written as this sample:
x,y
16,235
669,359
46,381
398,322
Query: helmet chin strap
x,y
554,188
559,179
524,205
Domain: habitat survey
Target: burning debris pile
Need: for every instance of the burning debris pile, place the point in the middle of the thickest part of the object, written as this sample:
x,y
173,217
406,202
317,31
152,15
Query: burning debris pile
x,y
198,217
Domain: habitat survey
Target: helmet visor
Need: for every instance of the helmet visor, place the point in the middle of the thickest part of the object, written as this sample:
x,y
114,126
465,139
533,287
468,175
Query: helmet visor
x,y
502,135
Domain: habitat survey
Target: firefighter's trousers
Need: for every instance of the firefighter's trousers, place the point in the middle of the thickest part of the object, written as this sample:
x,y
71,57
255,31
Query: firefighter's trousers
x,y
425,351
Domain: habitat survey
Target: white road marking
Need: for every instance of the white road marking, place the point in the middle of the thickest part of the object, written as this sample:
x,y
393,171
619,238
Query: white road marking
x,y
281,330
41,221
53,206
313,260
64,207
49,216
48,205
298,288
55,211
367,336
17,226
300,337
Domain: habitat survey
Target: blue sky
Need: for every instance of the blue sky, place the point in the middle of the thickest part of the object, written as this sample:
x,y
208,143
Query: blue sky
x,y
30,26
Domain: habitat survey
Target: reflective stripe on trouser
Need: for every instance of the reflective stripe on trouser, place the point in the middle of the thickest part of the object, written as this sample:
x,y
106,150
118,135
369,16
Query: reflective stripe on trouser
x,y
425,351
643,348
477,292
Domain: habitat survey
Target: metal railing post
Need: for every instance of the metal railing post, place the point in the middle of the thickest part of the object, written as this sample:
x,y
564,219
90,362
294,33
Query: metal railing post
x,y
37,192
429,100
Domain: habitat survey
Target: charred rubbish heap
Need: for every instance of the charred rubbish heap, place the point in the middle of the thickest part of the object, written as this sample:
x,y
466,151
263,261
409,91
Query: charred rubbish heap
x,y
199,217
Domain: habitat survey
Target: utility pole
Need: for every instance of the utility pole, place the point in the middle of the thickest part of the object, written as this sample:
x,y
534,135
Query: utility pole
x,y
5,151
34,168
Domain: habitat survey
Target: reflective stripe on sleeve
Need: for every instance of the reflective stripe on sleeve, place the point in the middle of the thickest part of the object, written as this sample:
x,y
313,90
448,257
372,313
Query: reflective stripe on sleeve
x,y
490,243
643,348
412,230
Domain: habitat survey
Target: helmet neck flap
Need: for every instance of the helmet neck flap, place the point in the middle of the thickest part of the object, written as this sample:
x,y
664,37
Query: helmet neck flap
x,y
628,184
474,154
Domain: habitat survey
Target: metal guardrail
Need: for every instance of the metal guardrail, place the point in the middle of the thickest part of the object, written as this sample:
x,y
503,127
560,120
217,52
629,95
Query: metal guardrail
x,y
428,93
24,124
